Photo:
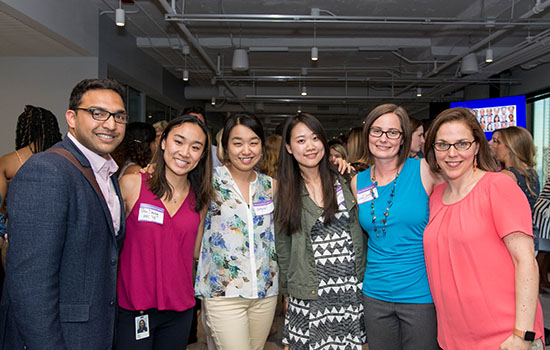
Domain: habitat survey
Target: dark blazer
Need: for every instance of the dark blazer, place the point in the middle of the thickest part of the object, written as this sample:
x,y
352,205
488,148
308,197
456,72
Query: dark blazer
x,y
60,287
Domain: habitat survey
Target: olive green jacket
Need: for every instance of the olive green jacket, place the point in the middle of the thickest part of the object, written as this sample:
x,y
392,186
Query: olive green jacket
x,y
298,274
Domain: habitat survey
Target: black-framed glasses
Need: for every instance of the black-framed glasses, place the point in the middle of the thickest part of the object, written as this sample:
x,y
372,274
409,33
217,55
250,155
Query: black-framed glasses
x,y
391,134
102,115
459,146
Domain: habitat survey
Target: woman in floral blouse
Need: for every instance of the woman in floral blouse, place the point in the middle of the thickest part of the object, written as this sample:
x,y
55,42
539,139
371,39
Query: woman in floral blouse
x,y
237,275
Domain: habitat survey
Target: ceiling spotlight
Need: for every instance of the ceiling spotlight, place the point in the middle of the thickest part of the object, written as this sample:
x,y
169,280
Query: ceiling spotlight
x,y
299,109
489,55
314,53
418,92
304,91
240,60
469,64
185,75
213,102
119,17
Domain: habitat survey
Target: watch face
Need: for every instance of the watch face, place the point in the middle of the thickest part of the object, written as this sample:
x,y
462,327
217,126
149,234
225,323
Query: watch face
x,y
529,336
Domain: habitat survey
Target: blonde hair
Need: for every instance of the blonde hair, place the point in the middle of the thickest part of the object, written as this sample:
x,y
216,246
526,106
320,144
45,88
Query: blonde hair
x,y
522,152
356,145
270,160
219,149
340,149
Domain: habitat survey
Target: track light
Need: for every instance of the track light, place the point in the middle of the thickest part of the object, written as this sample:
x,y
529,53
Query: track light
x,y
213,102
304,91
185,75
489,55
299,109
418,92
314,53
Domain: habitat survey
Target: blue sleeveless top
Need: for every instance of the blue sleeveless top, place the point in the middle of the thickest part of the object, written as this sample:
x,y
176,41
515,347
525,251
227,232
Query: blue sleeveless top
x,y
396,271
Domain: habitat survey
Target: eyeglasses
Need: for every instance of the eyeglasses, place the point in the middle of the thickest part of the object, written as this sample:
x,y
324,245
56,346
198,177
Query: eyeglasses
x,y
102,115
459,146
391,134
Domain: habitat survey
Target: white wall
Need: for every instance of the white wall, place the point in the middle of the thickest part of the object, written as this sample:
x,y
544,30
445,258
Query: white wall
x,y
40,81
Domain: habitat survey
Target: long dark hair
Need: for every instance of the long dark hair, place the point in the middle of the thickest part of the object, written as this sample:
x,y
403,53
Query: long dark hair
x,y
242,118
200,178
289,204
136,145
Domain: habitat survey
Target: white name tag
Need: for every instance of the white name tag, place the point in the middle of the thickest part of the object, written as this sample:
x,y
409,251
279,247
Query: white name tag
x,y
150,213
263,208
339,195
367,194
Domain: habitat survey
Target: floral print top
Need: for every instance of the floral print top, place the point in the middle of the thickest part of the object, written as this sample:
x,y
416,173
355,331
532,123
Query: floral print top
x,y
238,247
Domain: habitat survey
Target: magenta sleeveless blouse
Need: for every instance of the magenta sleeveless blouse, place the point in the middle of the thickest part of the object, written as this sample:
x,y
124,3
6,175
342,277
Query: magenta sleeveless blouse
x,y
156,262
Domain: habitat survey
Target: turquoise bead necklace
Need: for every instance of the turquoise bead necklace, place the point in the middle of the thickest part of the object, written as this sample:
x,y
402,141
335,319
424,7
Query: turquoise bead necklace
x,y
384,220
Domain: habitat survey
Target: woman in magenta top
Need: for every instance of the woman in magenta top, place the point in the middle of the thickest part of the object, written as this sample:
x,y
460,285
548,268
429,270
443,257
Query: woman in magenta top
x,y
478,244
163,213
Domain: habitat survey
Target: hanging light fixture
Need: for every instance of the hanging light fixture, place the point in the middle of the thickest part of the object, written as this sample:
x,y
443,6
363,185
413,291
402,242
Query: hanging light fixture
x,y
469,64
314,49
299,109
185,75
213,102
240,60
489,54
119,15
419,92
185,50
304,91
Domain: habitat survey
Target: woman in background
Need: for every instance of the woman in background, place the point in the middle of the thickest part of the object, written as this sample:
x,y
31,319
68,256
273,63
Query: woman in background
x,y
136,149
337,151
320,244
270,159
417,138
479,244
356,149
237,274
164,212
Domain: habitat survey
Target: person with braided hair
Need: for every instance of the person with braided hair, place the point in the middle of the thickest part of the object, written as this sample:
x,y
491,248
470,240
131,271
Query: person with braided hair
x,y
36,131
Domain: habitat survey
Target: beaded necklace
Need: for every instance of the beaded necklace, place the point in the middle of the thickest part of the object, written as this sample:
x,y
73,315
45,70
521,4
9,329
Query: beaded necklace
x,y
384,220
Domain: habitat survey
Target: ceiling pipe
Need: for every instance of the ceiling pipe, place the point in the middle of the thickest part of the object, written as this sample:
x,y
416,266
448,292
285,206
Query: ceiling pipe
x,y
539,8
244,18
196,45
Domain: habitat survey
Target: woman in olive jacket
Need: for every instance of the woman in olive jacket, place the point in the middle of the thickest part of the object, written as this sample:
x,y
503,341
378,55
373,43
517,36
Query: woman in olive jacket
x,y
320,244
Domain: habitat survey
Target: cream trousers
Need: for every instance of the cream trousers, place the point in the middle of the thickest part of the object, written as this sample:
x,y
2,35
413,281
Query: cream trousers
x,y
238,323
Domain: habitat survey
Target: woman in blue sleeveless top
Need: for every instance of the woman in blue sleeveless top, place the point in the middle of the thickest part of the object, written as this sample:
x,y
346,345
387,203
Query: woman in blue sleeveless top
x,y
393,199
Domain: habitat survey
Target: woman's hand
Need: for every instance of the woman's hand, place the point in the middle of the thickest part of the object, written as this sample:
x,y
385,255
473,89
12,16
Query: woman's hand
x,y
148,169
343,166
513,342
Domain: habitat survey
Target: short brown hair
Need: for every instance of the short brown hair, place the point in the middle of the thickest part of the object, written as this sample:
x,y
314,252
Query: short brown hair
x,y
485,160
403,117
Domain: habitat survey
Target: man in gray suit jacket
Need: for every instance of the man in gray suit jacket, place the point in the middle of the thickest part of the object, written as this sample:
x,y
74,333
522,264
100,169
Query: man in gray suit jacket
x,y
66,227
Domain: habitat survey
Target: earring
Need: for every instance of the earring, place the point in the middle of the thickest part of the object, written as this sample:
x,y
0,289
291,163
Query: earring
x,y
475,162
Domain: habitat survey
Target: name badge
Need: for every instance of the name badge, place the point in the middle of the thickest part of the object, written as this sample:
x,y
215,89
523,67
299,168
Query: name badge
x,y
367,194
150,213
142,326
263,208
339,195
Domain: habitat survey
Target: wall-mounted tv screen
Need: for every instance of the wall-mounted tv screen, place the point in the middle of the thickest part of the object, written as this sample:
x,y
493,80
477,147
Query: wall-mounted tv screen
x,y
497,113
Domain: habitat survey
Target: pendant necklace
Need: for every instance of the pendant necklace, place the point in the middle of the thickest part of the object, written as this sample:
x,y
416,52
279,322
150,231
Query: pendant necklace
x,y
384,220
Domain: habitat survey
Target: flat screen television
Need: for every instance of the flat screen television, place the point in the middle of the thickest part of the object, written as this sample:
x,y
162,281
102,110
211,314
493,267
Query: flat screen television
x,y
497,113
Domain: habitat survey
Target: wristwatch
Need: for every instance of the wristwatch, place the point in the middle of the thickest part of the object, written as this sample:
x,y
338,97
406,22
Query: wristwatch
x,y
525,335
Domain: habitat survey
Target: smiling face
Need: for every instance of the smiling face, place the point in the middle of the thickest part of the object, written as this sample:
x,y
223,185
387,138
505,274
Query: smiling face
x,y
334,154
383,147
306,147
101,137
456,164
183,148
244,148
